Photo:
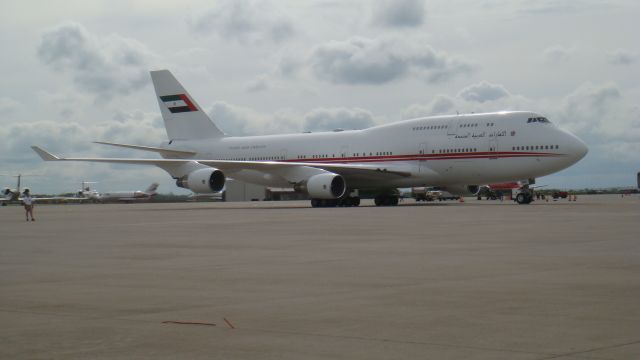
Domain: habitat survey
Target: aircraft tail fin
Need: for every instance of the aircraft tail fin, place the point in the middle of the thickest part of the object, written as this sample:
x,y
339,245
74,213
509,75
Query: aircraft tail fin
x,y
183,118
151,190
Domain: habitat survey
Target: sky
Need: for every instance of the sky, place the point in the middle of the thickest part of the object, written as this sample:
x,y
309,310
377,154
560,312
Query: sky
x,y
74,72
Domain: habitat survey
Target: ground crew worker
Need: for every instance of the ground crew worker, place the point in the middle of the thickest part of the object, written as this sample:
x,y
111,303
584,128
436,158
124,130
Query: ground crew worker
x,y
27,200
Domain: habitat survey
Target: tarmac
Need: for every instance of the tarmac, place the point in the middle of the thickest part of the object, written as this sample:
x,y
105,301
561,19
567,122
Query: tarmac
x,y
282,280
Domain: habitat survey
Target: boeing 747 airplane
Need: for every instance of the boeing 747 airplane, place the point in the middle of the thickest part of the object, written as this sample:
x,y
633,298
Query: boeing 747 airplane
x,y
456,152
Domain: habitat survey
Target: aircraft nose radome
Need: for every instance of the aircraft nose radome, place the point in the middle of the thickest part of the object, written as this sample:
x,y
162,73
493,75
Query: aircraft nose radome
x,y
577,148
582,148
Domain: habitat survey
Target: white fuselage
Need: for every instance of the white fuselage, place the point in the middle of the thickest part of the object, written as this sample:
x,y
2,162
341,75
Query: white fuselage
x,y
437,151
125,195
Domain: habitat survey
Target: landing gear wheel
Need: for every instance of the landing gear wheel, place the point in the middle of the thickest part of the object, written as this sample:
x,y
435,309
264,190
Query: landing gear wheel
x,y
386,200
324,202
523,198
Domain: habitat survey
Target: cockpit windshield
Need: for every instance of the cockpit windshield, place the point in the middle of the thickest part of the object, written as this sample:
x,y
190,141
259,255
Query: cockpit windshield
x,y
539,120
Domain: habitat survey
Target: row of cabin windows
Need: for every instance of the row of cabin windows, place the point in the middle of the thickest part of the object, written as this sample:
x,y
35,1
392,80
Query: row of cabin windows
x,y
325,156
263,158
432,127
450,151
438,127
538,119
536,147
475,125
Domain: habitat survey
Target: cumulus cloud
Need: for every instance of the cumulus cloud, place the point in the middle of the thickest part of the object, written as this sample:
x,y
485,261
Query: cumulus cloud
x,y
238,121
556,54
601,116
587,106
8,105
398,13
440,105
244,21
550,7
104,66
480,97
483,91
623,57
70,137
261,83
325,119
360,60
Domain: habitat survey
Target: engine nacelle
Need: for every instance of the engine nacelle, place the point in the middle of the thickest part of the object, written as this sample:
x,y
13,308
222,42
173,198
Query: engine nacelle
x,y
324,186
463,190
203,181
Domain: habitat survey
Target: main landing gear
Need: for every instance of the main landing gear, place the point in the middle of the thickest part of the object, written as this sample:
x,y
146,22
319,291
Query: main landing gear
x,y
346,201
386,200
525,196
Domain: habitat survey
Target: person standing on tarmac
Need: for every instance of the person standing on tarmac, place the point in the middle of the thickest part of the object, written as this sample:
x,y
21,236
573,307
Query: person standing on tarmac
x,y
27,200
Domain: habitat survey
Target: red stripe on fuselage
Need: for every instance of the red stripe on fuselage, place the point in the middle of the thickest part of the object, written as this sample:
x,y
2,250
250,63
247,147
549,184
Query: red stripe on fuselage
x,y
408,157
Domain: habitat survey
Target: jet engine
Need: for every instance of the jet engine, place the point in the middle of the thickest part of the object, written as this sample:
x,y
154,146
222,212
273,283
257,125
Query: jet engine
x,y
324,186
203,181
463,190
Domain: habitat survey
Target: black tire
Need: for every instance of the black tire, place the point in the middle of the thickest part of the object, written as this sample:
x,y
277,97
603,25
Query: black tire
x,y
378,200
522,199
315,203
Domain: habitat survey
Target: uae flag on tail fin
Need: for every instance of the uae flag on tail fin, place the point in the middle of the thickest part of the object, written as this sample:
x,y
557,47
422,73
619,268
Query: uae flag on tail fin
x,y
178,103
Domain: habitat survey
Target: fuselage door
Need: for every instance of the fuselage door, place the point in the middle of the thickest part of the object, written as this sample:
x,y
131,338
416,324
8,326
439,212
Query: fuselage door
x,y
493,147
422,159
453,125
344,151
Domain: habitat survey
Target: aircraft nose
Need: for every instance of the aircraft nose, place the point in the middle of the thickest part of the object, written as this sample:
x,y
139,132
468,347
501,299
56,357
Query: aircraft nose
x,y
577,148
582,148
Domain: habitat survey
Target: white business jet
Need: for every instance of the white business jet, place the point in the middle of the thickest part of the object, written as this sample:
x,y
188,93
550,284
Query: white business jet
x,y
456,152
130,196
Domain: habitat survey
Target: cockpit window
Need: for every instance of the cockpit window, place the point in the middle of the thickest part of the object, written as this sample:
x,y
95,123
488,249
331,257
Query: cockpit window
x,y
538,119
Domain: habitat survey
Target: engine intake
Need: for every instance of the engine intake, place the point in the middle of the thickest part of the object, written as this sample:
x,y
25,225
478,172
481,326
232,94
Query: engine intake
x,y
203,181
324,186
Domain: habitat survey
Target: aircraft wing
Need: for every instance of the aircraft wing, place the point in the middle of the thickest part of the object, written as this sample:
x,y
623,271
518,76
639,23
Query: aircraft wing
x,y
346,170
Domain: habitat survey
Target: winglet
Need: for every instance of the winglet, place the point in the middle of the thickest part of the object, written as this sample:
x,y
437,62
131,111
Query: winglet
x,y
45,155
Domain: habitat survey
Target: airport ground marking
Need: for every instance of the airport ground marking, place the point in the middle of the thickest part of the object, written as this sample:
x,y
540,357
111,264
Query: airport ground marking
x,y
229,323
188,323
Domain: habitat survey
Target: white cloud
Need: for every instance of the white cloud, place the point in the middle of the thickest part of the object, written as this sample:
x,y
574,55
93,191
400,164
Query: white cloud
x,y
398,13
589,105
556,54
360,60
325,119
105,66
483,91
238,121
261,83
623,57
8,105
244,21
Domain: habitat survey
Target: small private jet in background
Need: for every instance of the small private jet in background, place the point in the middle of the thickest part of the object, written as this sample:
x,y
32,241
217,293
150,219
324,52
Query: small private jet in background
x,y
130,196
